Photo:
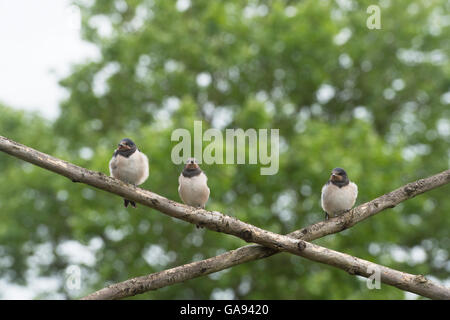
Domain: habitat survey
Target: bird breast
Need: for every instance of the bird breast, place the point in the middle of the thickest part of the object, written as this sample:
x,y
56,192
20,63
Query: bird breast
x,y
336,200
133,169
194,191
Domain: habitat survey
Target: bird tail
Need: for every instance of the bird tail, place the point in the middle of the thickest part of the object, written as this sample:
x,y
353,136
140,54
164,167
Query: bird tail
x,y
126,202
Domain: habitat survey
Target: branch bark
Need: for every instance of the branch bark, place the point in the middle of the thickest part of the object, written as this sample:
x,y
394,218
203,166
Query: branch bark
x,y
222,223
413,283
253,252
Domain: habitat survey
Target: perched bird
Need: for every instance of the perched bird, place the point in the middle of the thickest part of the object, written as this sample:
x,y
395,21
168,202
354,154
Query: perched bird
x,y
338,194
129,164
193,188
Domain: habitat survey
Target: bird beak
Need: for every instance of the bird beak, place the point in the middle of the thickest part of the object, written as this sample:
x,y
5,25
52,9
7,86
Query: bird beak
x,y
192,165
122,146
335,177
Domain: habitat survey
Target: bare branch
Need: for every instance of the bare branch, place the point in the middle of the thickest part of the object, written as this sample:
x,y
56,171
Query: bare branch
x,y
222,223
253,252
413,283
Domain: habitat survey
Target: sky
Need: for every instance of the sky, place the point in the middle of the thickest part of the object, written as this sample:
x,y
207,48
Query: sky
x,y
39,42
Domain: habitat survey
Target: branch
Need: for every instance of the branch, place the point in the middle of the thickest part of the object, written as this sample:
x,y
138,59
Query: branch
x,y
249,253
413,283
226,224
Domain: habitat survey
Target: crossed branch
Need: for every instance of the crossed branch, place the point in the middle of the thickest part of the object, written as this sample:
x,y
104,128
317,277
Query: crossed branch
x,y
268,242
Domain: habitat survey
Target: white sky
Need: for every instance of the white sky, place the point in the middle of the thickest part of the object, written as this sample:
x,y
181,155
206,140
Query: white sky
x,y
39,41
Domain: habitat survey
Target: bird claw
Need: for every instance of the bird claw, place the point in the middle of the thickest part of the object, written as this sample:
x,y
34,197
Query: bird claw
x,y
126,202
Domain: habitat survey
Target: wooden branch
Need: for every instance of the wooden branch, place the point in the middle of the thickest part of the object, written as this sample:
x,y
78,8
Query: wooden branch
x,y
253,252
413,283
222,223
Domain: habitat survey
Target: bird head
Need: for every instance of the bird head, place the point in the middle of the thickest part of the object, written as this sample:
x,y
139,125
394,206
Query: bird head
x,y
338,175
191,164
126,144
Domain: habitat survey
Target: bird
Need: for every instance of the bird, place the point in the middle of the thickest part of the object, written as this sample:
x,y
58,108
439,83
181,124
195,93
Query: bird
x,y
129,165
338,194
193,185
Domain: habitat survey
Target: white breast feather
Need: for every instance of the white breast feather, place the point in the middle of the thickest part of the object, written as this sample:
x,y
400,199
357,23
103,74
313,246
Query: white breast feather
x,y
337,200
194,191
133,169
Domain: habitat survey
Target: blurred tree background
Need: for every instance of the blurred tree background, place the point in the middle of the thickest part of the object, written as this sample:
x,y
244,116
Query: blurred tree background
x,y
375,102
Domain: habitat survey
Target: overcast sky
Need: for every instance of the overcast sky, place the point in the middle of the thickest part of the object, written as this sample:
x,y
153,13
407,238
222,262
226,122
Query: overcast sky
x,y
39,41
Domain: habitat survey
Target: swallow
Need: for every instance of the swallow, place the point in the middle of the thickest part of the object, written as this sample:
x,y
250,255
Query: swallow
x,y
192,185
129,165
338,194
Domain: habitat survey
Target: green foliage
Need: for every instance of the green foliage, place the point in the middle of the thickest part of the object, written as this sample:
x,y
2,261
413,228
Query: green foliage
x,y
237,64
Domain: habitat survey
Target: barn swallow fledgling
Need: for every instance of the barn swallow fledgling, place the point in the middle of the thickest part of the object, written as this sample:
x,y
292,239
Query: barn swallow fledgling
x,y
338,194
193,188
129,165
